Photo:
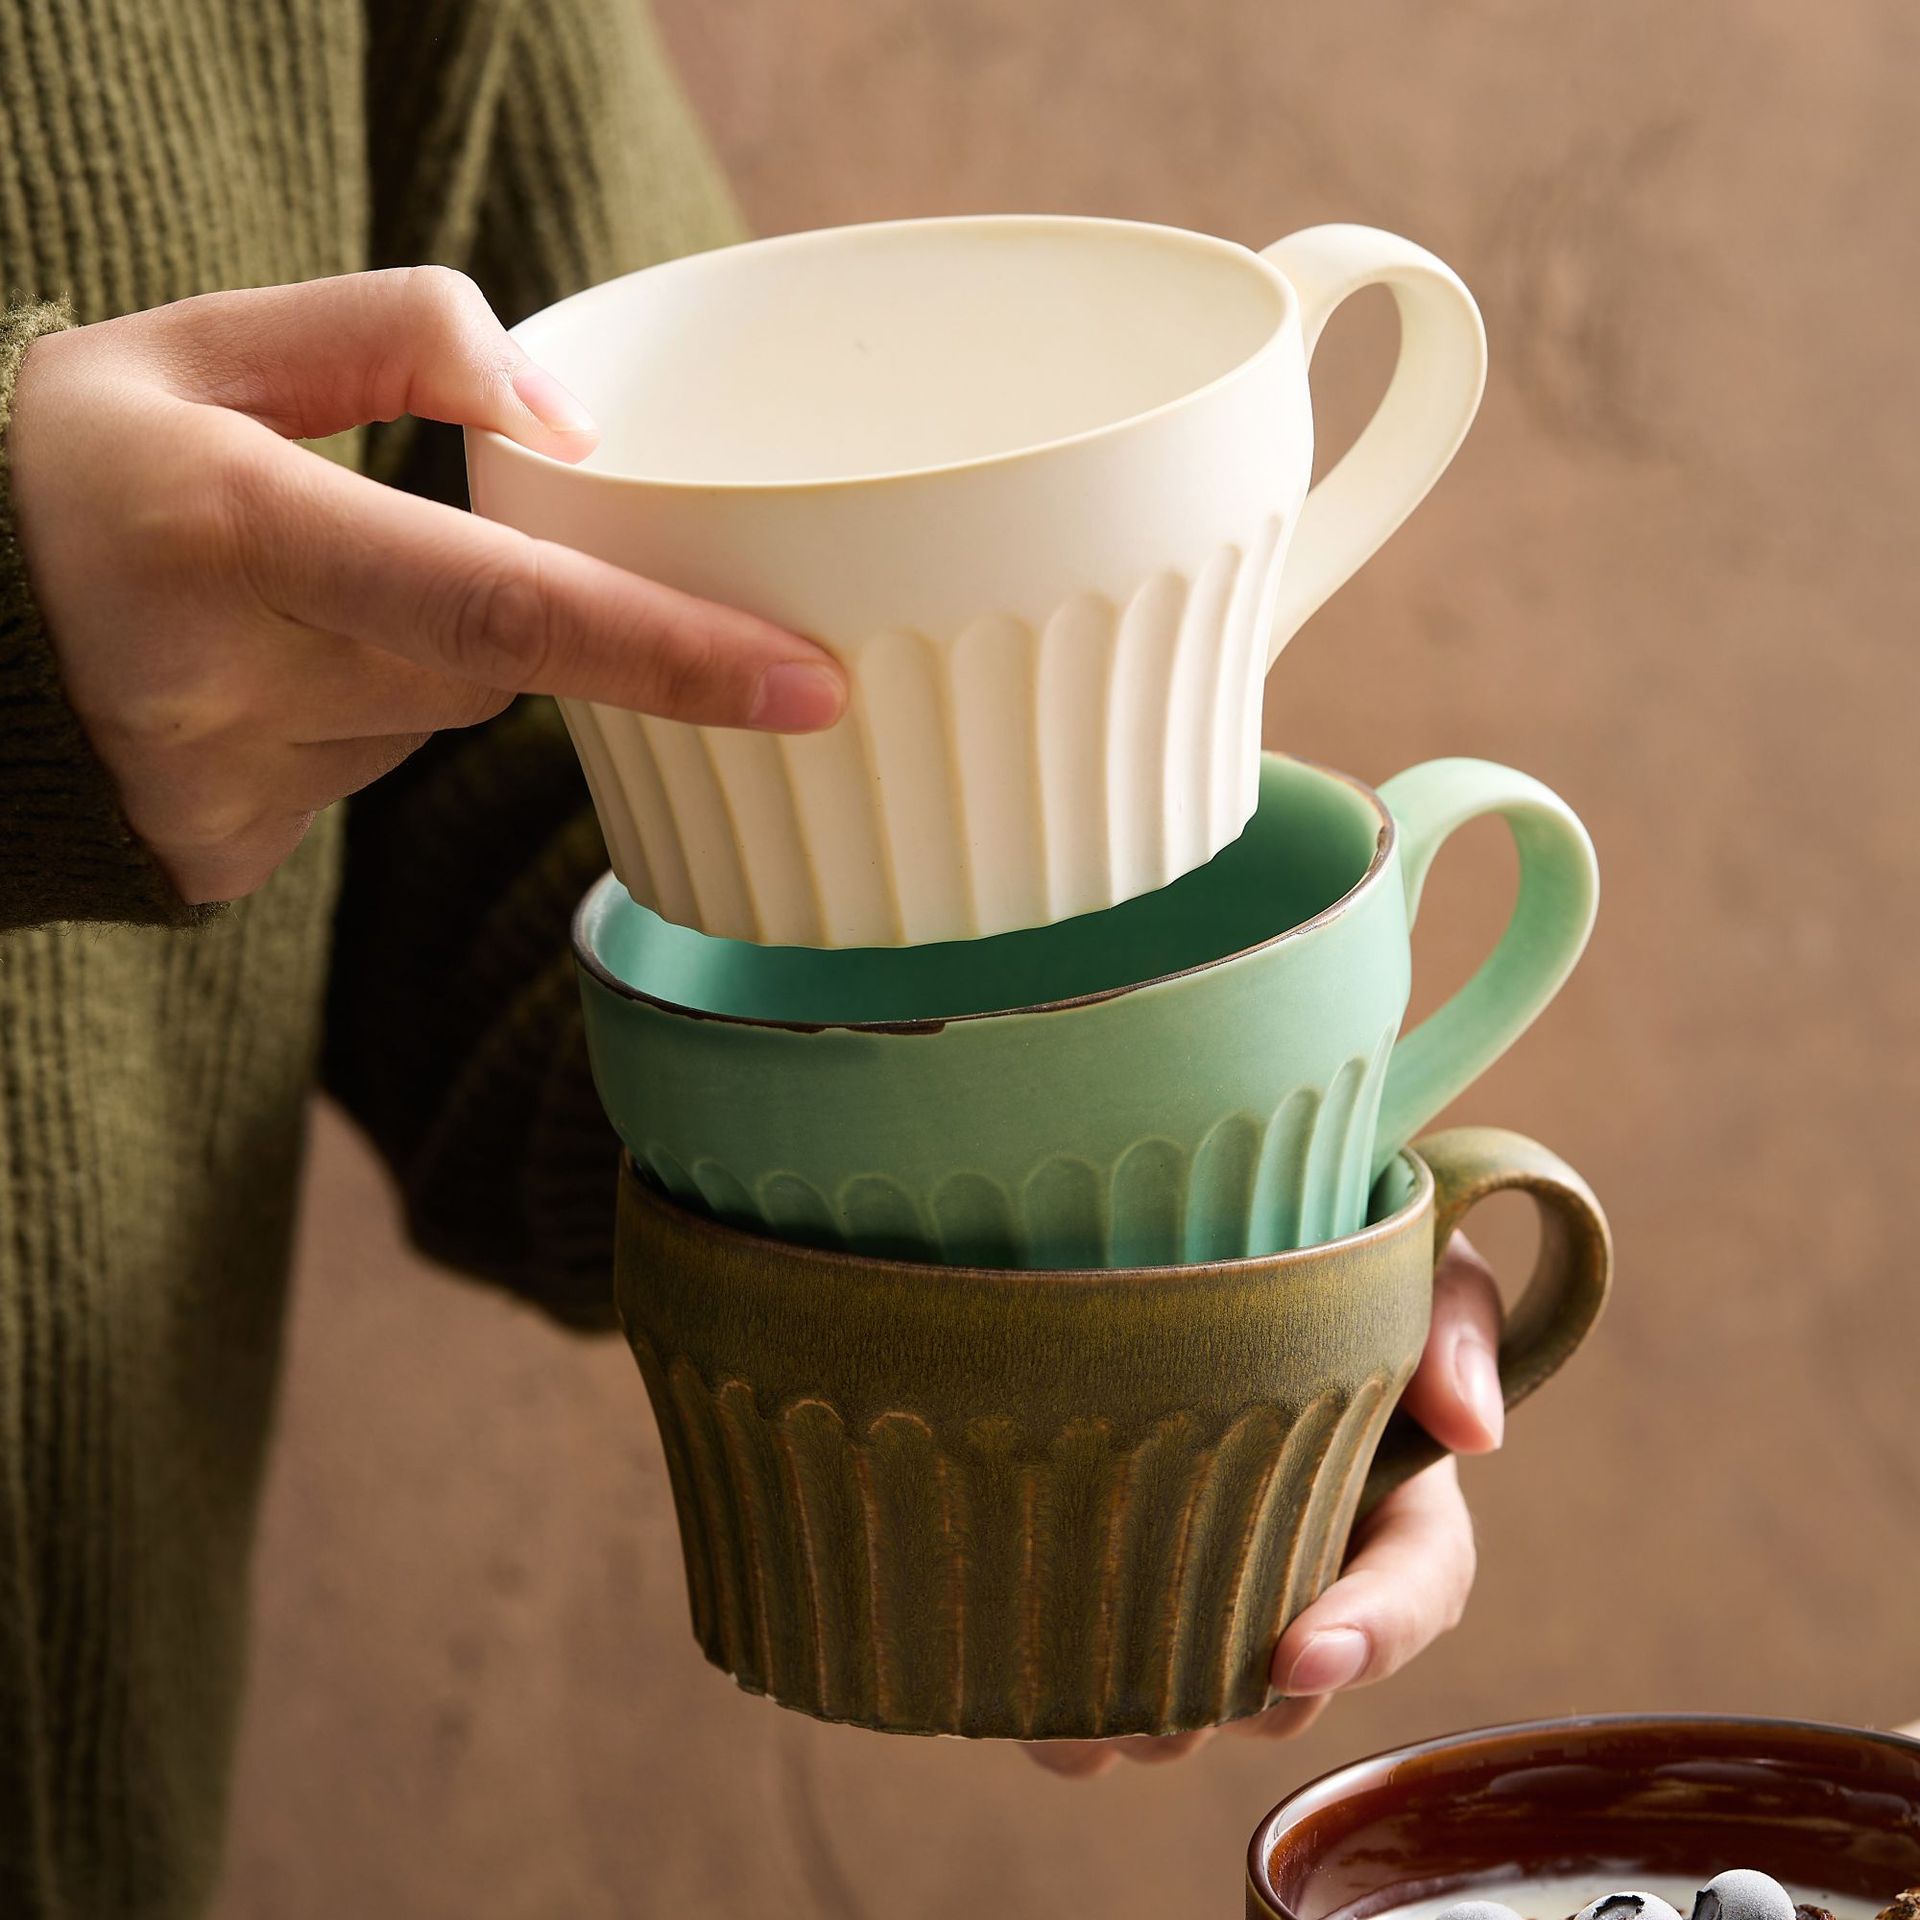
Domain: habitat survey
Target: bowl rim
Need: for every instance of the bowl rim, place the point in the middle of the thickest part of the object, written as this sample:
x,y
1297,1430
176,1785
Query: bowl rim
x,y
1327,1787
592,910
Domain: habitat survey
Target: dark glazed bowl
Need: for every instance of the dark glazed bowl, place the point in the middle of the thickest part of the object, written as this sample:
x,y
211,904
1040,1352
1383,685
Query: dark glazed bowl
x,y
1826,1807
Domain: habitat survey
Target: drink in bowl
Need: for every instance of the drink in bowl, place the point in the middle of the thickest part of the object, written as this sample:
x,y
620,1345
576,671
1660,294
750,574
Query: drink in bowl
x,y
1546,1819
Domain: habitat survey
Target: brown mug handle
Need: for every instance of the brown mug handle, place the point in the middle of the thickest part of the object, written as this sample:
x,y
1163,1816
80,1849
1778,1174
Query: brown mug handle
x,y
1563,1299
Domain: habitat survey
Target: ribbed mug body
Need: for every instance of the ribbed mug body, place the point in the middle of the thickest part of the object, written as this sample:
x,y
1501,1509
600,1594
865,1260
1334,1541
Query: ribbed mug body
x,y
1206,1113
1027,766
1013,1504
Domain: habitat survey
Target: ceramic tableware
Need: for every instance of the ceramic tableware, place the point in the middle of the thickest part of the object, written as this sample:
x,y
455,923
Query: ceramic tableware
x,y
1041,483
1658,1802
1205,1072
1066,1504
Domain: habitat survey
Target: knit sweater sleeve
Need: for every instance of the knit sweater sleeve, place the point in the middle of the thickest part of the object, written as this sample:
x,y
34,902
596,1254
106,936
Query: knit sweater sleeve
x,y
454,1032
66,851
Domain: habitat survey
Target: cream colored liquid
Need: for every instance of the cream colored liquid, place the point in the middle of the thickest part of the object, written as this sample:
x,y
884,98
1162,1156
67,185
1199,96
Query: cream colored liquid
x,y
1557,1899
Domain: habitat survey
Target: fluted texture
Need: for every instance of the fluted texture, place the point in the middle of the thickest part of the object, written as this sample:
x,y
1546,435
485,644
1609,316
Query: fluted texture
x,y
1253,1184
154,1067
1004,776
1013,1504
989,1582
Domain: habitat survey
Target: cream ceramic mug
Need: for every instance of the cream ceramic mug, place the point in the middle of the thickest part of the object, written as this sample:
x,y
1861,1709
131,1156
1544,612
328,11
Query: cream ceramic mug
x,y
1041,483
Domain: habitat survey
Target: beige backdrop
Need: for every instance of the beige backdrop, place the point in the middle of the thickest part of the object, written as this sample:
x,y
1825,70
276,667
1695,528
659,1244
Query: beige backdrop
x,y
1674,573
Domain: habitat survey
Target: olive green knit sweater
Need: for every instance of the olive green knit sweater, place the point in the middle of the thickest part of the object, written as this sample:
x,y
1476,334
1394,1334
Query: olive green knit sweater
x,y
155,1063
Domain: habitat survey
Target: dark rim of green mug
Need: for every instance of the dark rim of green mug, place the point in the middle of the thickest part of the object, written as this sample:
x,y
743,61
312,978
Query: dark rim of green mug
x,y
932,1272
590,962
1334,1785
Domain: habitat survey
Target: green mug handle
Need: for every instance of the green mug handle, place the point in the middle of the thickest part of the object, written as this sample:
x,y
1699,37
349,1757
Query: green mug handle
x,y
1571,1276
1553,913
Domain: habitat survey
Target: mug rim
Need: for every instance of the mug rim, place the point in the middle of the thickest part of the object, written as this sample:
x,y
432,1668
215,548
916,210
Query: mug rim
x,y
1374,1769
1386,838
820,237
935,1273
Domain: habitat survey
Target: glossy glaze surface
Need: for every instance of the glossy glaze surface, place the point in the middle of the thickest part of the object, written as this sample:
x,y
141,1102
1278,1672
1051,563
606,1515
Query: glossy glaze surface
x,y
1831,1807
1207,1072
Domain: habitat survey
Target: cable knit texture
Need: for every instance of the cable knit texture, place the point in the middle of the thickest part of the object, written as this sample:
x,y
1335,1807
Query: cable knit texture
x,y
154,1063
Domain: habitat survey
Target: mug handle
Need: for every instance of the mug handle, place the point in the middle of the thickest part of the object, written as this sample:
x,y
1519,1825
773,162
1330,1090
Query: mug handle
x,y
1553,911
1417,427
1563,1299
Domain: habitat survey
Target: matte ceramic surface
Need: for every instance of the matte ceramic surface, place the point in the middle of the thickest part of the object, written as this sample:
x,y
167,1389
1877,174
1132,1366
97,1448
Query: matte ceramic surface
x,y
1052,1505
1836,1808
1041,483
1205,1072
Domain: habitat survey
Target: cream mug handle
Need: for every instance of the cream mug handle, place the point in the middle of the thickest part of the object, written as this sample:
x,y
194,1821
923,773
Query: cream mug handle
x,y
1417,427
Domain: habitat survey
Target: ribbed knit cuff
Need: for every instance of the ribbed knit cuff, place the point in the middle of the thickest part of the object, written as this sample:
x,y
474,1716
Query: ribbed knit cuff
x,y
66,851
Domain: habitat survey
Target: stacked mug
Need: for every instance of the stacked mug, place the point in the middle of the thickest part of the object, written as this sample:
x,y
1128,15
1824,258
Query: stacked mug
x,y
1019,1233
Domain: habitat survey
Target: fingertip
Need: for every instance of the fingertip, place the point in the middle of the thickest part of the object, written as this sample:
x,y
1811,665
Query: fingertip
x,y
799,696
1072,1759
1332,1658
1434,1400
1476,1379
1456,1392
568,431
571,448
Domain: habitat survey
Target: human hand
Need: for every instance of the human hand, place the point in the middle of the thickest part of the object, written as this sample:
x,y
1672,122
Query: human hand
x,y
248,632
1411,1562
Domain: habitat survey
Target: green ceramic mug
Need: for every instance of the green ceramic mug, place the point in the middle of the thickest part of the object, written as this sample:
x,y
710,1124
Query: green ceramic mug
x,y
1209,1071
1064,1505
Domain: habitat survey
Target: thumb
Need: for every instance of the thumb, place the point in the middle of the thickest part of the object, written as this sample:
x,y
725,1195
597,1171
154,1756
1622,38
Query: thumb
x,y
324,355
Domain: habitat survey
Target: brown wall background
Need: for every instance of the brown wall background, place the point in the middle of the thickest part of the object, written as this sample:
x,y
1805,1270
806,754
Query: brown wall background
x,y
1674,574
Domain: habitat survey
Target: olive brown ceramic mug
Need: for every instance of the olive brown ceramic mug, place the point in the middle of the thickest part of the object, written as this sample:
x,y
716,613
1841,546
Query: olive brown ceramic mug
x,y
1209,1071
1054,1505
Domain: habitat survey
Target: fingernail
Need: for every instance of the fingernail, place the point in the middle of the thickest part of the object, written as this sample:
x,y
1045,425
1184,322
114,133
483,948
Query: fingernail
x,y
1074,1759
797,698
1327,1662
550,403
1476,1378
